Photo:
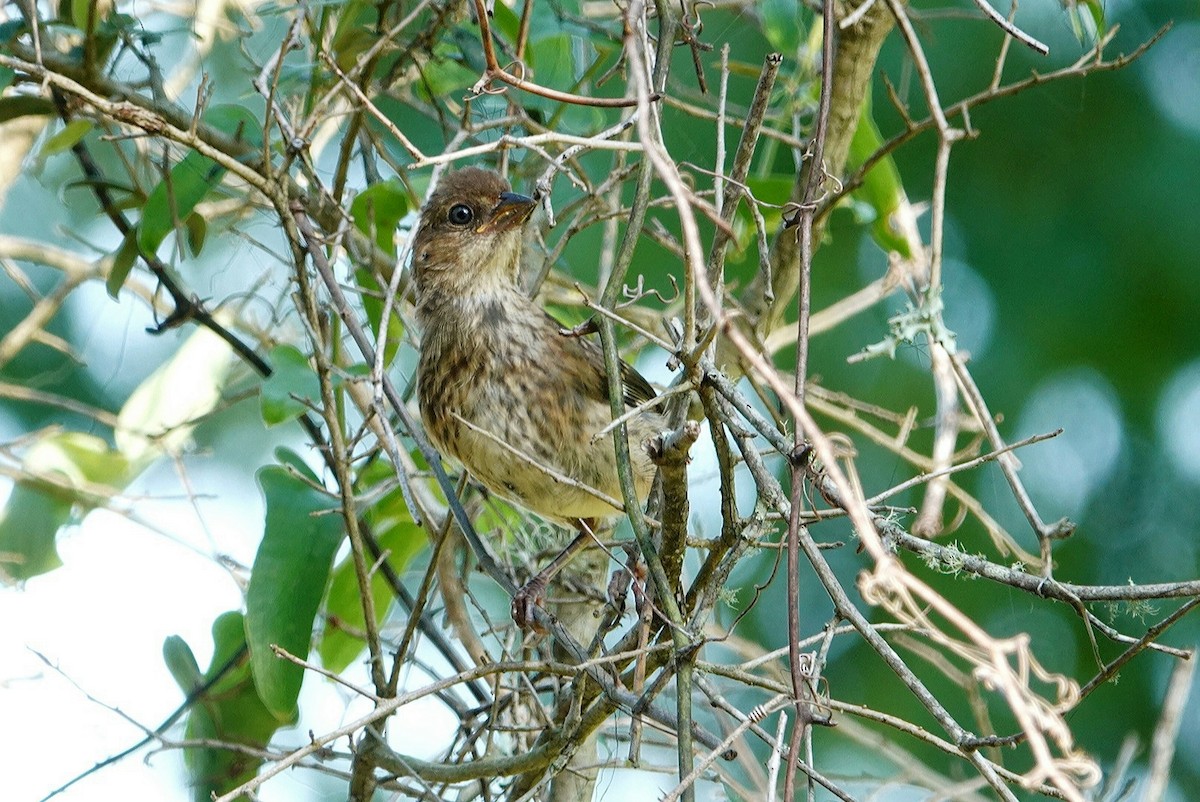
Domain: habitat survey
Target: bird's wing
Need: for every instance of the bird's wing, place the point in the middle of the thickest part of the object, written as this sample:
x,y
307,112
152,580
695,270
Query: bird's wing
x,y
637,389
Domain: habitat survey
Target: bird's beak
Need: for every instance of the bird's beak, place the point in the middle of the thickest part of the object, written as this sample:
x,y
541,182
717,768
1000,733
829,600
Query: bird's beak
x,y
511,211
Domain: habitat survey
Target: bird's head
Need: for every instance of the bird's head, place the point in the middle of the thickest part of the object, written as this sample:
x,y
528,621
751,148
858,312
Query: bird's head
x,y
470,232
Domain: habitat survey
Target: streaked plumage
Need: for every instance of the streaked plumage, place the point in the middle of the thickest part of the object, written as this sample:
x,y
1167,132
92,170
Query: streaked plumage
x,y
493,358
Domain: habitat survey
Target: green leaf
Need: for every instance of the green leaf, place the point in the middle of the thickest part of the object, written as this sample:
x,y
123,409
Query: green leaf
x,y
7,74
292,460
300,537
505,22
182,664
229,711
881,188
84,470
402,540
24,106
11,29
1086,29
292,379
237,122
29,524
781,24
196,228
71,133
377,211
372,300
446,77
81,9
174,198
81,459
355,32
123,262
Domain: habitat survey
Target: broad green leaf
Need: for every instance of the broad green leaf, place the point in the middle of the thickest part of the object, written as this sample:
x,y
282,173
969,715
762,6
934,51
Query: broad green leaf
x,y
230,711
505,22
11,29
292,460
553,59
237,122
442,77
84,472
71,133
300,537
181,662
881,187
162,412
6,77
196,228
355,32
174,198
377,211
372,301
80,459
123,262
29,524
81,9
292,379
24,106
781,24
402,540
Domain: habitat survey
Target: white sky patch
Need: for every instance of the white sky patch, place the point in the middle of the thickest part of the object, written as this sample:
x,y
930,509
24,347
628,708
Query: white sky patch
x,y
111,338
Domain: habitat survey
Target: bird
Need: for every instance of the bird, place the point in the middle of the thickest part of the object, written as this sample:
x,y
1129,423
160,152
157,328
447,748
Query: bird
x,y
503,388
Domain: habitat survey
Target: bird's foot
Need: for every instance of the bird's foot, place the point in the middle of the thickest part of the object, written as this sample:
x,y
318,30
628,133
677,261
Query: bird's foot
x,y
526,602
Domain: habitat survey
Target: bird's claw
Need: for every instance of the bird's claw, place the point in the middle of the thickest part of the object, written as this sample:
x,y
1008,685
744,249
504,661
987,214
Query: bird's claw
x,y
526,603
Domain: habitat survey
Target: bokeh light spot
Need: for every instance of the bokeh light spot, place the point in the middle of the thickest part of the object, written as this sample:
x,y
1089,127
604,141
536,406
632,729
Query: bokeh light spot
x,y
1170,70
1068,469
1179,421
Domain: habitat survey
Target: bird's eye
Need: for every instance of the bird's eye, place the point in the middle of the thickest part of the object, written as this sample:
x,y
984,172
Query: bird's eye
x,y
461,214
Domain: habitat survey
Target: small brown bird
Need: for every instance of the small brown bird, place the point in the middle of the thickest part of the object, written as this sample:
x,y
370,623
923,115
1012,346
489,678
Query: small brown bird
x,y
502,389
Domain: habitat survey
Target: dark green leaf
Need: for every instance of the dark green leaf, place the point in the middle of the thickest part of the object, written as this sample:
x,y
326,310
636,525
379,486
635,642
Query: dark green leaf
x,y
182,664
292,460
11,29
881,187
291,381
197,230
354,32
505,22
373,304
24,106
175,197
781,24
377,211
123,263
301,535
237,122
446,77
229,711
397,535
